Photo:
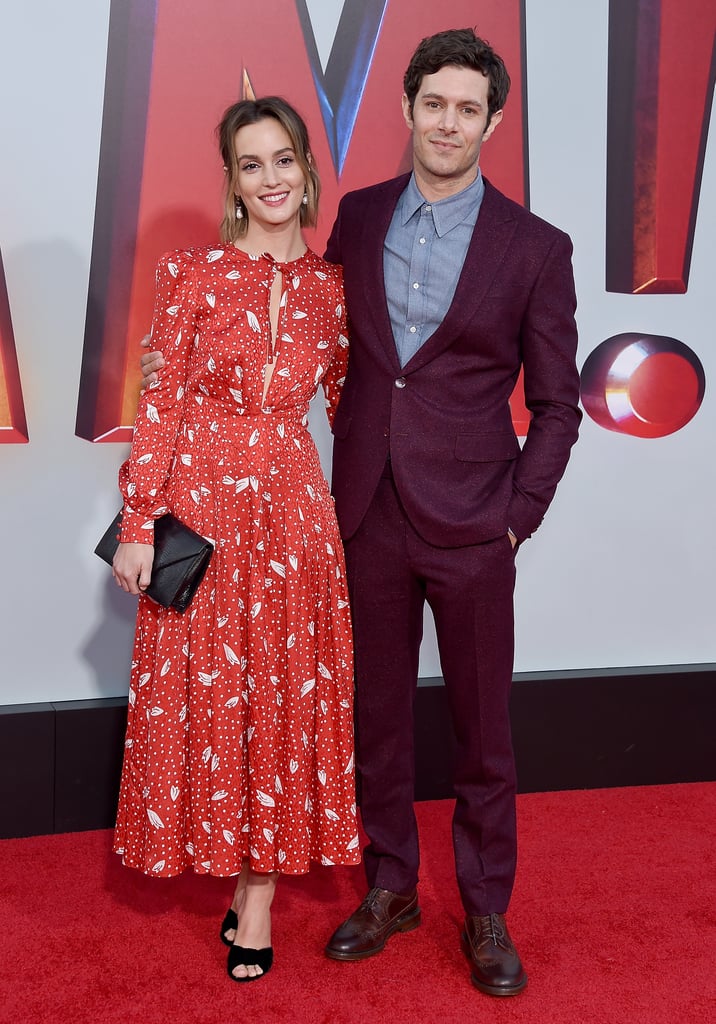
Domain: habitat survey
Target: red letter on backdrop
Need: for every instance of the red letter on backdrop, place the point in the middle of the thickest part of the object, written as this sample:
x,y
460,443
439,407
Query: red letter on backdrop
x,y
173,69
662,67
13,425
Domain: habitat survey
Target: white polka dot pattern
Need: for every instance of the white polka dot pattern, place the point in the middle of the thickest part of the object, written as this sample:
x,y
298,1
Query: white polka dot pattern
x,y
240,732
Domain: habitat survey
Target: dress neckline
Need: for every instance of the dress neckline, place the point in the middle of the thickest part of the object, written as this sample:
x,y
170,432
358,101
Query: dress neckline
x,y
268,258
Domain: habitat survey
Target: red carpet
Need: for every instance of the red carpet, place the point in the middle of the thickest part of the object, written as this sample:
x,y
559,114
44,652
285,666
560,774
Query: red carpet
x,y
614,914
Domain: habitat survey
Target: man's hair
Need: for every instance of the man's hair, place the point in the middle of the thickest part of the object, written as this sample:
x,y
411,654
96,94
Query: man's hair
x,y
460,48
247,112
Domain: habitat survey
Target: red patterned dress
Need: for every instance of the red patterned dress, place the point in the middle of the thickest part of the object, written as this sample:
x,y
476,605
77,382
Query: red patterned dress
x,y
240,733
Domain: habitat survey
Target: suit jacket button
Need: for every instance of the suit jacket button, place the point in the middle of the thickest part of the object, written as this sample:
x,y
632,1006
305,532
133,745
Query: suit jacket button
x,y
401,382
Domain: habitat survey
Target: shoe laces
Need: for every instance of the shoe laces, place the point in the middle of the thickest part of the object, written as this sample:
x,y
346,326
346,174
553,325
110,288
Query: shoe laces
x,y
371,899
492,928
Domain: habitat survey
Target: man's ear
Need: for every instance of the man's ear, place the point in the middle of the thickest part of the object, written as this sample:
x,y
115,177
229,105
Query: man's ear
x,y
407,112
494,121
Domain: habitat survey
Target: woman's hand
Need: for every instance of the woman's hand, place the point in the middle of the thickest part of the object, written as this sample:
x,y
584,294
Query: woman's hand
x,y
132,567
150,362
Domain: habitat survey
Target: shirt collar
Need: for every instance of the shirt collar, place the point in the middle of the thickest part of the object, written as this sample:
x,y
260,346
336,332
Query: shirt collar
x,y
461,208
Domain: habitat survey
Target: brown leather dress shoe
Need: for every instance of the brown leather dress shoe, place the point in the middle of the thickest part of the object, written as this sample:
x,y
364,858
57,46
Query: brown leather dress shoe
x,y
496,966
366,931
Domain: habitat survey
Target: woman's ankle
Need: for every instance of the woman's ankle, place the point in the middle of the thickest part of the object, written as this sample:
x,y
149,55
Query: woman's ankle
x,y
254,929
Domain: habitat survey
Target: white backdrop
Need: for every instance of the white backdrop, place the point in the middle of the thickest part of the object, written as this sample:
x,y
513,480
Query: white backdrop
x,y
621,572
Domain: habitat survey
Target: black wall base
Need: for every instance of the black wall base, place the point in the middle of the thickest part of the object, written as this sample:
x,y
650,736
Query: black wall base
x,y
60,766
60,762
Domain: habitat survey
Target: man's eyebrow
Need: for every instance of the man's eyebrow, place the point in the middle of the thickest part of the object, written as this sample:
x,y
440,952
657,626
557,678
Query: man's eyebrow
x,y
462,102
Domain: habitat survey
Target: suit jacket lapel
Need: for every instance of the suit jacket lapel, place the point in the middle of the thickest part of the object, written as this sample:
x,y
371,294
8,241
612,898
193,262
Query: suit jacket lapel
x,y
488,246
378,214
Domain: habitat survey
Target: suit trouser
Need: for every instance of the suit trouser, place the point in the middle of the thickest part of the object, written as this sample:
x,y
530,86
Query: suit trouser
x,y
391,572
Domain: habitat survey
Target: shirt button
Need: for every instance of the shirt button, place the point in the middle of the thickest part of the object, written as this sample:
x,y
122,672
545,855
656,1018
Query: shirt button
x,y
413,330
401,382
428,208
422,241
415,284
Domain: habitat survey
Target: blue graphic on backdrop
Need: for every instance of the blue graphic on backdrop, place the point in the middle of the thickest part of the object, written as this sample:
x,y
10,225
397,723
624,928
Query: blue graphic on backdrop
x,y
340,88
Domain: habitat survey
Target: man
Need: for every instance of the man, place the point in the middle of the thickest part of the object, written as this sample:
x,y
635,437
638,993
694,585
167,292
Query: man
x,y
451,289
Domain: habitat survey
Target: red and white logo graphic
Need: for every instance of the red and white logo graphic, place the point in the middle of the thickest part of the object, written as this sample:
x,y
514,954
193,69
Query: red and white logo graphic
x,y
644,385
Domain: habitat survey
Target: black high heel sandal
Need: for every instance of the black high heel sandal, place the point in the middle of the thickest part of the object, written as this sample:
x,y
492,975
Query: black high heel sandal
x,y
239,955
230,921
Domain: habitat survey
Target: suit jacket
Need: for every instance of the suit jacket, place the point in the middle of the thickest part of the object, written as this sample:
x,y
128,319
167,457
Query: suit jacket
x,y
444,418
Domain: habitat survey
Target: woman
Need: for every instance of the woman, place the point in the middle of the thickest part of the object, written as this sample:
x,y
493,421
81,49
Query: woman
x,y
239,744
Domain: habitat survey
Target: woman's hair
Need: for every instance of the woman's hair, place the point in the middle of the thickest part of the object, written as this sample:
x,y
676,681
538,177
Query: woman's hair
x,y
251,112
461,48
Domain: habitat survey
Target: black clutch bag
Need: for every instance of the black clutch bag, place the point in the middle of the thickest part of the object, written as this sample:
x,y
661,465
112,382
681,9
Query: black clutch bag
x,y
181,556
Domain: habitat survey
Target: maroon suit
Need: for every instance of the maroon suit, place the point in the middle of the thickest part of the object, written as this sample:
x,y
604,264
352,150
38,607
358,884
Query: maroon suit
x,y
428,476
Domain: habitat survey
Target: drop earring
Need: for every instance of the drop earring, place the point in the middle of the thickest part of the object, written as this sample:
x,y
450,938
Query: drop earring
x,y
239,208
305,198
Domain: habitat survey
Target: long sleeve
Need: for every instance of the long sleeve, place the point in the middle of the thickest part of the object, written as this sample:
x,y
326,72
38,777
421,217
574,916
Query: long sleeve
x,y
551,382
335,376
143,477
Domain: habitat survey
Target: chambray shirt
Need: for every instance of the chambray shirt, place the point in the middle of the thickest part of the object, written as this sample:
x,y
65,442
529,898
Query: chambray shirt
x,y
423,255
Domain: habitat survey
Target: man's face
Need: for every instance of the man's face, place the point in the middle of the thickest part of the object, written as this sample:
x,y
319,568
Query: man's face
x,y
448,124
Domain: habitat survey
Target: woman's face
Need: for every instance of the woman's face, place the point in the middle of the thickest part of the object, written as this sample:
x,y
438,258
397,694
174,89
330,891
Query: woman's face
x,y
270,181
